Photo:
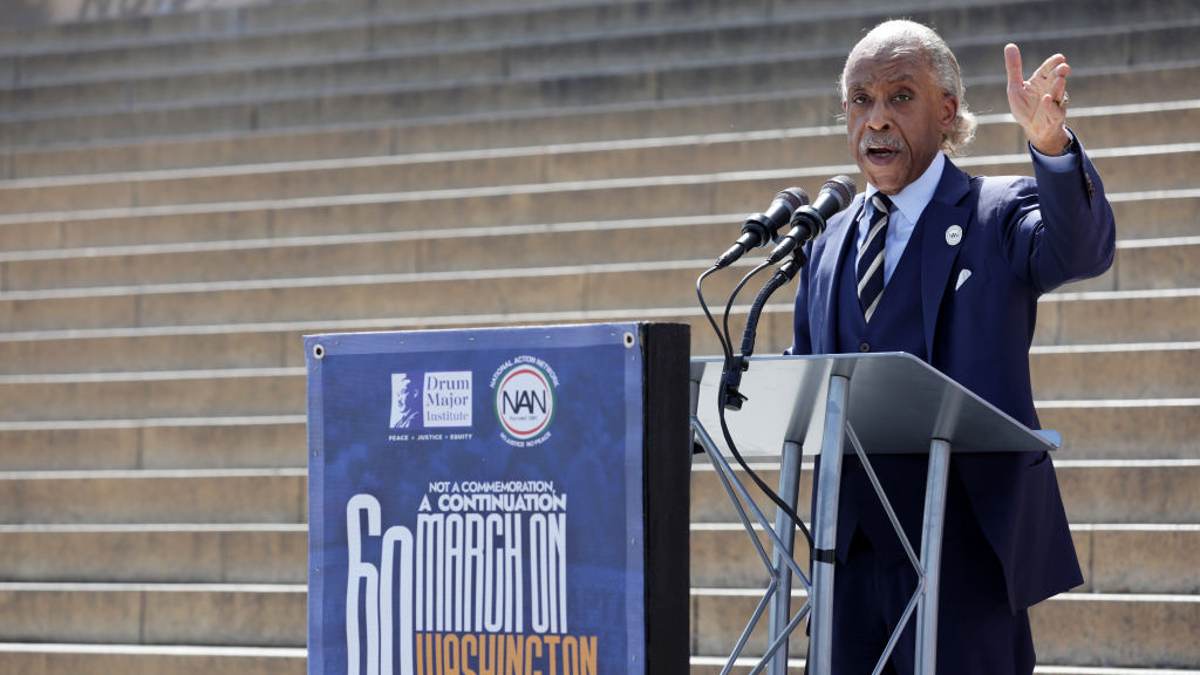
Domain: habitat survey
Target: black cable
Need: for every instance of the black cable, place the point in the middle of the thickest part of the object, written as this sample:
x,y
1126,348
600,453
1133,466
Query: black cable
x,y
726,349
726,344
766,489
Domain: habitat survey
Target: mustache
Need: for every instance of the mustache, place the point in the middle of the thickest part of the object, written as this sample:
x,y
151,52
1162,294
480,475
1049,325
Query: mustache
x,y
880,140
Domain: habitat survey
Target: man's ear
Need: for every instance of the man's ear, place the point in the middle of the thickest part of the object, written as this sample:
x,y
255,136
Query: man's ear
x,y
949,112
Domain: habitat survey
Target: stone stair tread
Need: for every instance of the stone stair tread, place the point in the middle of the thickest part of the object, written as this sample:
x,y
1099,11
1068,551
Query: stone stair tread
x,y
237,442
565,316
414,298
619,86
1155,558
617,43
554,163
98,31
238,495
722,225
1112,491
1098,430
1143,264
251,614
268,19
296,371
124,222
516,60
679,185
636,16
1070,317
100,649
159,553
703,665
1070,628
565,119
335,142
135,659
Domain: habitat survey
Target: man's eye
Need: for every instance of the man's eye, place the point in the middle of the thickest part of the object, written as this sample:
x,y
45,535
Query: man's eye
x,y
858,100
902,97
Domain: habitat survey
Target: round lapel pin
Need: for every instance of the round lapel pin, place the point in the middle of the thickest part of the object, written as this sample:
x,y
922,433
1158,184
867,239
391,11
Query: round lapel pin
x,y
953,235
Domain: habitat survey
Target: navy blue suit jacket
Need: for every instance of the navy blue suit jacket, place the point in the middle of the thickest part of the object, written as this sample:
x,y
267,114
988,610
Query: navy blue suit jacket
x,y
1020,238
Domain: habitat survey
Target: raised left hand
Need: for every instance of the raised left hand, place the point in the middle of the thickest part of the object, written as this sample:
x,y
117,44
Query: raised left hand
x,y
1039,104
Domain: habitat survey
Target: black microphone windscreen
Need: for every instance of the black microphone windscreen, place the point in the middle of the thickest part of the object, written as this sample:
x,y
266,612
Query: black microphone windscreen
x,y
794,196
844,188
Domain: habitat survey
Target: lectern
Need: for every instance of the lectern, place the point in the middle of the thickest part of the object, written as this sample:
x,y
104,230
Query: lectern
x,y
866,404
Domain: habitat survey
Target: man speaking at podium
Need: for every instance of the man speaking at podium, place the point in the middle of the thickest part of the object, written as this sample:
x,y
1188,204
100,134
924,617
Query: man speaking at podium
x,y
949,267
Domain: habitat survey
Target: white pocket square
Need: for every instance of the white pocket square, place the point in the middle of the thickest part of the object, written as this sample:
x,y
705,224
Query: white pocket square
x,y
962,278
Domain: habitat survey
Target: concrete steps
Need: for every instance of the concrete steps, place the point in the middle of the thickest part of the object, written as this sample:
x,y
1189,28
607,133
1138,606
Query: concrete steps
x,y
535,94
1113,429
1140,317
133,659
1122,428
1121,372
478,28
1139,600
1143,35
712,665
1105,491
1146,264
265,553
586,286
733,151
186,195
754,117
262,615
194,496
521,59
1079,629
1148,169
1116,558
188,443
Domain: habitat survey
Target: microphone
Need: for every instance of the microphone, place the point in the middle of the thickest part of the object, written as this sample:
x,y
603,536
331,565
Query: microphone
x,y
761,228
809,221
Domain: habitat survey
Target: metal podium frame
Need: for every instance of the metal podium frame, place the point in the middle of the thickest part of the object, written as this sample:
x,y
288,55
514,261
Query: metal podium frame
x,y
897,404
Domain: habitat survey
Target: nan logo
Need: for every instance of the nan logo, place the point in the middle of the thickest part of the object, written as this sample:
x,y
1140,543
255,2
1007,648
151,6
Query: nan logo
x,y
525,400
443,401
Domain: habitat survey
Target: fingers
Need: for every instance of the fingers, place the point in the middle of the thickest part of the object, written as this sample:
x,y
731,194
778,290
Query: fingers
x,y
1048,67
1052,109
1012,64
1058,86
1051,117
1046,78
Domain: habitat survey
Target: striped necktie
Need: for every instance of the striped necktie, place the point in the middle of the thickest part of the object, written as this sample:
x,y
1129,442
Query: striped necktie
x,y
870,256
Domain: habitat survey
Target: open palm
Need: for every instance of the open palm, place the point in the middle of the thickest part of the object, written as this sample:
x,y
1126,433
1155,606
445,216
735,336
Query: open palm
x,y
1039,104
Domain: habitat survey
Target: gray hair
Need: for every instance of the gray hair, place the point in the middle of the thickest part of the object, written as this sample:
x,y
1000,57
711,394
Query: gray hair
x,y
947,74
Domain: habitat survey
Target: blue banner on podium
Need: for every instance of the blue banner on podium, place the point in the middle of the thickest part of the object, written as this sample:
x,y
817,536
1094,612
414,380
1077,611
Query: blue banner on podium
x,y
475,502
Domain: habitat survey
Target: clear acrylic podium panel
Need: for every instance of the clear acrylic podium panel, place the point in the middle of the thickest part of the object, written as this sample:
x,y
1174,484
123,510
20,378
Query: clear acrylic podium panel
x,y
897,404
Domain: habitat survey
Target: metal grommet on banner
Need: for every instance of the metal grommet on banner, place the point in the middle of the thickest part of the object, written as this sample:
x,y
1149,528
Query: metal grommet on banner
x,y
319,352
630,340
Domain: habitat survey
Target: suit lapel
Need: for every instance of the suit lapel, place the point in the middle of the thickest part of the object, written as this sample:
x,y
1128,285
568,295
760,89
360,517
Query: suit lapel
x,y
827,276
939,250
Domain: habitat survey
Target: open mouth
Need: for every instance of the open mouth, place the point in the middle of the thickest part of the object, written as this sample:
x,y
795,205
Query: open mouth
x,y
881,149
880,153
